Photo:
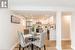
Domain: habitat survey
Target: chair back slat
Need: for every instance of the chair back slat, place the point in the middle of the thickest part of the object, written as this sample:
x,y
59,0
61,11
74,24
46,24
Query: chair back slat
x,y
42,38
21,39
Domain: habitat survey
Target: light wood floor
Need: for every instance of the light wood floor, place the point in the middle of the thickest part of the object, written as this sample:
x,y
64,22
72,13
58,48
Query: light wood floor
x,y
66,44
51,45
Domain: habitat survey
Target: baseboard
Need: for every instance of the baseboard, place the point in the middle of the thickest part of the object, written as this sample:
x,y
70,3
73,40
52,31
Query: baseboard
x,y
52,40
61,39
58,48
4,49
73,48
14,46
65,39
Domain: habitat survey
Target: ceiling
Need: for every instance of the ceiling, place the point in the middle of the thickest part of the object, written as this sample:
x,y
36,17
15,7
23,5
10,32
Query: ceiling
x,y
43,3
34,14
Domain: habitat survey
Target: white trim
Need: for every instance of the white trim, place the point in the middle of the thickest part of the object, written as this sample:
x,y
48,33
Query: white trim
x,y
65,39
14,46
58,48
52,39
58,30
36,8
73,48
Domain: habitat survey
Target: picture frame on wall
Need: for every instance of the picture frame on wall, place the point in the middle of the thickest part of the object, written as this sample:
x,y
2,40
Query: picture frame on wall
x,y
15,19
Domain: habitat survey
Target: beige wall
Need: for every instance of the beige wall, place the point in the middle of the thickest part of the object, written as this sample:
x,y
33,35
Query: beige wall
x,y
65,28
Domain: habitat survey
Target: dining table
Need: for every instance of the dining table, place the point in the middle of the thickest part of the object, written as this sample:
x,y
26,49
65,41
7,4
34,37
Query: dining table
x,y
32,38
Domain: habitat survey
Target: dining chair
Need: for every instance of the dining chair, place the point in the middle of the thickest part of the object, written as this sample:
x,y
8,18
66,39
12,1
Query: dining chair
x,y
40,43
22,42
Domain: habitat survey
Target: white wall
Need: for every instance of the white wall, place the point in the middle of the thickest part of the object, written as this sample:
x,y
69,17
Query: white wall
x,y
8,30
73,30
52,35
58,30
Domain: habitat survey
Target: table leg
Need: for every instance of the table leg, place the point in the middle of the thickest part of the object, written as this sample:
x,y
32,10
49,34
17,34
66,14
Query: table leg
x,y
19,47
48,36
32,47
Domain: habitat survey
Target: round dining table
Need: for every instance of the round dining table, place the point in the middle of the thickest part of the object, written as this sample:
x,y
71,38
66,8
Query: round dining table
x,y
32,39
